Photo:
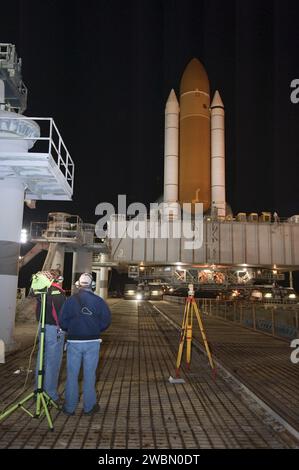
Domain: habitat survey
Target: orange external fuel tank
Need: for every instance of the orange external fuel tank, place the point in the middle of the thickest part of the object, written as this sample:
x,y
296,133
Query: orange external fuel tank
x,y
195,140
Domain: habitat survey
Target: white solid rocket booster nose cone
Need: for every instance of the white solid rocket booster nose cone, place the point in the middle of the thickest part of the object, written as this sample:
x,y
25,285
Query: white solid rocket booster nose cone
x,y
217,101
218,155
172,104
171,151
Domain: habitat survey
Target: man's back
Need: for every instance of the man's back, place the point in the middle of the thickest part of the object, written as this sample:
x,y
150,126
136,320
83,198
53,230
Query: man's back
x,y
84,316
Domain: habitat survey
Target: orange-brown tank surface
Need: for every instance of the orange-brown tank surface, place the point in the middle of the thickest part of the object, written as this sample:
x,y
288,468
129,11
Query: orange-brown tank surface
x,y
195,158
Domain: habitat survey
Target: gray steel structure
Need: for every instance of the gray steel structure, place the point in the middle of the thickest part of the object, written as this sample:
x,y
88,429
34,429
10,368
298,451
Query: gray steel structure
x,y
225,243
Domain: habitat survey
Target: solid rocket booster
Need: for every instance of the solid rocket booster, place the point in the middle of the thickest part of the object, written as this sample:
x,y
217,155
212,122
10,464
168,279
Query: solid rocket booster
x,y
195,138
218,154
171,149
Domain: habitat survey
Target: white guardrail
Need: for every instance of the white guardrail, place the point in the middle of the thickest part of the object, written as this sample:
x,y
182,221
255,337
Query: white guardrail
x,y
47,141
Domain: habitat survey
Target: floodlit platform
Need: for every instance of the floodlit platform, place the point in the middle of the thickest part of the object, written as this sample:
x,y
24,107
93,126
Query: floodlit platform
x,y
47,171
141,409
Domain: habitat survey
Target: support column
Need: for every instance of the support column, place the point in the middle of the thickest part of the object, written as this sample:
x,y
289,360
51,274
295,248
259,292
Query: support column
x,y
82,263
102,279
104,283
11,218
97,291
58,260
291,279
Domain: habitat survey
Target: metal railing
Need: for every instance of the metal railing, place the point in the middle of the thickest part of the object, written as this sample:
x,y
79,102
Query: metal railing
x,y
11,66
60,154
7,53
62,231
271,219
70,230
279,320
49,141
259,219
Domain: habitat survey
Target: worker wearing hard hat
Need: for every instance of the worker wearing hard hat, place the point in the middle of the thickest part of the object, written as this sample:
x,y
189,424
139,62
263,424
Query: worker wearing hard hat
x,y
84,316
54,336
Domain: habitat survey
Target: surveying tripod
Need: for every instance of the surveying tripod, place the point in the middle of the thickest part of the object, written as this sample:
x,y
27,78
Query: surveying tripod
x,y
186,333
43,400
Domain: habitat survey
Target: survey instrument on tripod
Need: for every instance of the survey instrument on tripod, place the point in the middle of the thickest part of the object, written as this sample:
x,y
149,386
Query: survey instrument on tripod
x,y
191,309
40,284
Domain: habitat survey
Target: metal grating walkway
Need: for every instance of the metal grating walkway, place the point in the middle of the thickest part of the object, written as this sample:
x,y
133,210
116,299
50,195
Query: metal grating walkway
x,y
259,361
139,407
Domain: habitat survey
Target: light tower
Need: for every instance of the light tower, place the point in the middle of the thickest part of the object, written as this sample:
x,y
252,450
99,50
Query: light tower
x,y
44,174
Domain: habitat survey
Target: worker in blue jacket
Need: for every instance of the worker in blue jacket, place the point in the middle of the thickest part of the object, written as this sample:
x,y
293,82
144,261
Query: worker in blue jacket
x,y
84,316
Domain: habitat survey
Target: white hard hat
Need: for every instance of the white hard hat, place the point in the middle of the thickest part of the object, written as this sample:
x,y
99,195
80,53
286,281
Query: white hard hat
x,y
85,280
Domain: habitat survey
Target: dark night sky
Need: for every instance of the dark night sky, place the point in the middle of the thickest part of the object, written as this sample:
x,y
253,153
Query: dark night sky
x,y
103,69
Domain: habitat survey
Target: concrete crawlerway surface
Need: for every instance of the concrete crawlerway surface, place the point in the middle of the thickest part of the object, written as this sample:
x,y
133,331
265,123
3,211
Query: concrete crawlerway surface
x,y
139,407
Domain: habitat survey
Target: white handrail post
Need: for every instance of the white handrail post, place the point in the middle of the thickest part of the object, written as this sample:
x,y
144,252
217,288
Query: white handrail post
x,y
50,135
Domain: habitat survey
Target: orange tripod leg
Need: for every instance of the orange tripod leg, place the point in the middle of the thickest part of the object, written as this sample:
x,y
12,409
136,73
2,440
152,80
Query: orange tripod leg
x,y
203,334
189,335
182,338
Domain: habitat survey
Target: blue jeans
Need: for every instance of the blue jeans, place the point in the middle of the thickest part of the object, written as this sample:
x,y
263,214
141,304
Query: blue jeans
x,y
86,352
52,360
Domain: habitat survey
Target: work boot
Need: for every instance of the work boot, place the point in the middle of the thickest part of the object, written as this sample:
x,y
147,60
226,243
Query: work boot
x,y
93,410
66,412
